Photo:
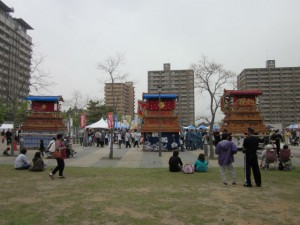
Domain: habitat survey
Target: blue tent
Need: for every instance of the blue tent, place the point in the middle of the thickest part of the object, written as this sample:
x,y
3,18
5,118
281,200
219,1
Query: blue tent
x,y
190,127
202,127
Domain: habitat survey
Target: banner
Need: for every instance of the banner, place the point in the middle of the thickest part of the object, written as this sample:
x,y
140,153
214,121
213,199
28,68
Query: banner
x,y
141,107
110,120
117,124
128,119
83,120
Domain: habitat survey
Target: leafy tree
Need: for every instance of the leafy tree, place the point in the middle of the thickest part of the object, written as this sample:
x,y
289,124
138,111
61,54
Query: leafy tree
x,y
95,111
210,77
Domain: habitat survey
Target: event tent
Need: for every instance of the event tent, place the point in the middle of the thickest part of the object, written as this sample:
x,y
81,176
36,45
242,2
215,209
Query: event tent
x,y
6,126
100,124
190,127
202,127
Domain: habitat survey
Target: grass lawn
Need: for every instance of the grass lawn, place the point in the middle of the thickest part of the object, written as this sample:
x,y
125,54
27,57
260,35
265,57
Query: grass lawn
x,y
145,196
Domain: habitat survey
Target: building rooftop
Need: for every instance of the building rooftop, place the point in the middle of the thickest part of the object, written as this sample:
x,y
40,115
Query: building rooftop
x,y
5,7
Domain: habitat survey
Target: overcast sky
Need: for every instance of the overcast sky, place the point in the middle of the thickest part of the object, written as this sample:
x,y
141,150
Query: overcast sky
x,y
75,35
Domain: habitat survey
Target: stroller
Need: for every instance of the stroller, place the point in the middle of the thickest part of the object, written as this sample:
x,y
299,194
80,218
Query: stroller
x,y
285,162
269,157
295,141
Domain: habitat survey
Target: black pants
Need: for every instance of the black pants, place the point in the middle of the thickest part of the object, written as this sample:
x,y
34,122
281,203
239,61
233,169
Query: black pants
x,y
98,142
60,167
136,143
8,141
251,162
128,144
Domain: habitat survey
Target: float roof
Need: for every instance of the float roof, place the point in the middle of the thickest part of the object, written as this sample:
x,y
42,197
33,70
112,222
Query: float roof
x,y
44,98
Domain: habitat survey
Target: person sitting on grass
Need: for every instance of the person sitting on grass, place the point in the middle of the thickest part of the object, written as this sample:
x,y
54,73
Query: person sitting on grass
x,y
201,164
37,163
21,162
5,152
175,163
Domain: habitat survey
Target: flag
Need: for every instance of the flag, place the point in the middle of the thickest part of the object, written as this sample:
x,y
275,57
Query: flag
x,y
141,107
110,120
83,120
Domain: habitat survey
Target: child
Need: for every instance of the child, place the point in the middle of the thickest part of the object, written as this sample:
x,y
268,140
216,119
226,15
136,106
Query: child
x,y
175,163
42,147
201,164
5,152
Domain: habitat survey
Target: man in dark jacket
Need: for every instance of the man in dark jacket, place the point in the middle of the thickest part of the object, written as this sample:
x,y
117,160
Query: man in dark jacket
x,y
277,137
250,148
8,135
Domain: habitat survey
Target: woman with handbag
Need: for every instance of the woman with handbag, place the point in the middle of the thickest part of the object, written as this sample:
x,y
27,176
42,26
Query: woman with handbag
x,y
59,154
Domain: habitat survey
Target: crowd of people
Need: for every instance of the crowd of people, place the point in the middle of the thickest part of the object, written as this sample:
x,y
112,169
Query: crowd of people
x,y
128,138
224,148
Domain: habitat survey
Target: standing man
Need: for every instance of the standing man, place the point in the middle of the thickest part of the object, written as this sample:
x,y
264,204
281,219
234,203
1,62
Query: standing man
x,y
250,147
98,137
8,135
277,137
226,149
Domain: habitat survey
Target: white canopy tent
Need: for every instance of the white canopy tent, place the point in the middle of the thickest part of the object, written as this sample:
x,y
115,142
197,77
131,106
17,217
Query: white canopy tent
x,y
6,126
100,124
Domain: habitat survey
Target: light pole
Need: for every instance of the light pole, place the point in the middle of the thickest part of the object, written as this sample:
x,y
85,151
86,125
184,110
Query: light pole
x,y
159,131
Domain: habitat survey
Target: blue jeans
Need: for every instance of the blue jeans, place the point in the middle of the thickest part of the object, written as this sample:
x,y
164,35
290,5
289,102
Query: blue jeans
x,y
25,166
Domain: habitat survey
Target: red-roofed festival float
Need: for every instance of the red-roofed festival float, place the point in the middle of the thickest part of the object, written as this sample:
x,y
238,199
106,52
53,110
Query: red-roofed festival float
x,y
241,111
158,117
43,122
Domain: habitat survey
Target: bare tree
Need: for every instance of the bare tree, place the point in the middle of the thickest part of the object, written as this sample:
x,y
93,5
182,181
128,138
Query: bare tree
x,y
35,79
39,79
111,66
211,78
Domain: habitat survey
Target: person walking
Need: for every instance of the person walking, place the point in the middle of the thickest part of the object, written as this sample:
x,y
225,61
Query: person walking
x,y
42,148
225,150
137,137
250,148
102,139
59,146
127,140
2,136
8,135
98,136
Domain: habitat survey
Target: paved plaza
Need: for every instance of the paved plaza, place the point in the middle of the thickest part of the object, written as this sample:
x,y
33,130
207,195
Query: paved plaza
x,y
132,158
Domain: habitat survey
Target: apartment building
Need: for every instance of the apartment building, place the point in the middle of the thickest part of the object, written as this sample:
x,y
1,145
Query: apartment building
x,y
15,56
280,101
123,94
180,82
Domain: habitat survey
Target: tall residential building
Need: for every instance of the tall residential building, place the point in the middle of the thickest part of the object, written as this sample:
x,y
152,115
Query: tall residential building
x,y
180,82
15,56
280,101
123,94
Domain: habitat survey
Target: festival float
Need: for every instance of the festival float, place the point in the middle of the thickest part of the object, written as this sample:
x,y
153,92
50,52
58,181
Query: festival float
x,y
43,122
159,116
241,111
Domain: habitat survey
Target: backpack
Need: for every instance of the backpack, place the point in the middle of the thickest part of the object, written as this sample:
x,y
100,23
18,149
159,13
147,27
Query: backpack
x,y
188,168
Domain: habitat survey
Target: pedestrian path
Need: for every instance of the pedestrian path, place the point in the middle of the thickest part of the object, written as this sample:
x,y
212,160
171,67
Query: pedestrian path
x,y
132,158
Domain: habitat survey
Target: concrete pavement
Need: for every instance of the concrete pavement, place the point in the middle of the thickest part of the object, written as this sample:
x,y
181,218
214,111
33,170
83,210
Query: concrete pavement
x,y
131,158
